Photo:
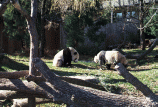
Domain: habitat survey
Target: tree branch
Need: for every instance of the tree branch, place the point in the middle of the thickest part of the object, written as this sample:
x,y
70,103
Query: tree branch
x,y
146,25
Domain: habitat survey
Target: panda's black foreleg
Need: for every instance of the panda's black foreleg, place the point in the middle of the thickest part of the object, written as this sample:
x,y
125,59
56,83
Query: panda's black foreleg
x,y
125,66
108,66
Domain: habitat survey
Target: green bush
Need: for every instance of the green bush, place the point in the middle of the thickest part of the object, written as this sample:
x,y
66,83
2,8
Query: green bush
x,y
133,38
86,50
73,29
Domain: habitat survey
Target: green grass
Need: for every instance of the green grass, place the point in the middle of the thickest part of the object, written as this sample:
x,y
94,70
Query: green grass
x,y
146,72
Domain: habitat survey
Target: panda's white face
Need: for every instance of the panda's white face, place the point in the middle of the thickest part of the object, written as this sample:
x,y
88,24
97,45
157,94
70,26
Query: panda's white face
x,y
74,54
96,59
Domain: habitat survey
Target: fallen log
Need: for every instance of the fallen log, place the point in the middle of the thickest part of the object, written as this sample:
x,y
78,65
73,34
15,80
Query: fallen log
x,y
6,94
135,82
25,73
88,96
28,88
75,96
14,75
60,91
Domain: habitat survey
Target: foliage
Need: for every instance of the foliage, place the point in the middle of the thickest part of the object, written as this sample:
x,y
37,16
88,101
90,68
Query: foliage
x,y
152,28
133,38
15,23
7,102
93,34
88,50
74,24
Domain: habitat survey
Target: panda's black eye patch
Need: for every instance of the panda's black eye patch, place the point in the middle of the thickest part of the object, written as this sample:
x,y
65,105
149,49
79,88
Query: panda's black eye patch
x,y
75,53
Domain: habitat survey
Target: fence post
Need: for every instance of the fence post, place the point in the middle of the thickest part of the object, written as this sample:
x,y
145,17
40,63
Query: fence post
x,y
31,102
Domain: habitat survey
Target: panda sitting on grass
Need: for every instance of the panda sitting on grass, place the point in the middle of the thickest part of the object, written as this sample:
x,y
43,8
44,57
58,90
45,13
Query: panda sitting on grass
x,y
110,57
65,56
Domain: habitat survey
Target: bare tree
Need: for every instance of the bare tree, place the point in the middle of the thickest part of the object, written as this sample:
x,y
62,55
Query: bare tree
x,y
31,24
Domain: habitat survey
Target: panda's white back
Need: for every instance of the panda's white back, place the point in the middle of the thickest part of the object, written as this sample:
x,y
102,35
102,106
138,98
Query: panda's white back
x,y
58,59
111,57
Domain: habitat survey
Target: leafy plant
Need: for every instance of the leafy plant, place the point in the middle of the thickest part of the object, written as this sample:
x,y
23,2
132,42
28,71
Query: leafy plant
x,y
73,29
152,28
15,23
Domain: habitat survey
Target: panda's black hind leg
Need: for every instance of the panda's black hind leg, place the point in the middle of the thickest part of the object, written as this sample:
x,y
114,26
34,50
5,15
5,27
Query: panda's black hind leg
x,y
69,63
108,66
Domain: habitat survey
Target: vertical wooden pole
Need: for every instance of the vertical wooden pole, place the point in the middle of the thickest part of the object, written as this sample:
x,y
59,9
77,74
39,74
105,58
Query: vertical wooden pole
x,y
112,15
141,18
31,102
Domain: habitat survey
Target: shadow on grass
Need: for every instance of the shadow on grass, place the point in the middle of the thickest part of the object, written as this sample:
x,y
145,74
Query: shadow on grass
x,y
82,66
139,70
11,64
1,68
113,81
64,73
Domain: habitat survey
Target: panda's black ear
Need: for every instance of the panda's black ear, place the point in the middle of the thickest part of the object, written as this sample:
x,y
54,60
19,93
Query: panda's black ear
x,y
75,53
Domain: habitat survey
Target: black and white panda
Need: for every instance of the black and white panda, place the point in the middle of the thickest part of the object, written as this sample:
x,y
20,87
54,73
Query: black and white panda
x,y
110,57
65,56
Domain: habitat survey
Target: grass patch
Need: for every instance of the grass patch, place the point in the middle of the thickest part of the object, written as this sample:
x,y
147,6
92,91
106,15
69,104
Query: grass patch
x,y
146,72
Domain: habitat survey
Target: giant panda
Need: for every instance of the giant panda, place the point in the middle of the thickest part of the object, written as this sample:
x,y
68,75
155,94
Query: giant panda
x,y
110,57
65,56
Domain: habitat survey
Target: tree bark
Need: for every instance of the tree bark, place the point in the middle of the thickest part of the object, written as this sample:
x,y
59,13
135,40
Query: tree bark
x,y
133,80
5,94
31,24
14,75
42,39
141,19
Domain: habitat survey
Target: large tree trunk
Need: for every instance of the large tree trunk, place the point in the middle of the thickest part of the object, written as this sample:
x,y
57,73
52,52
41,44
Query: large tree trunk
x,y
31,24
3,7
42,39
141,19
